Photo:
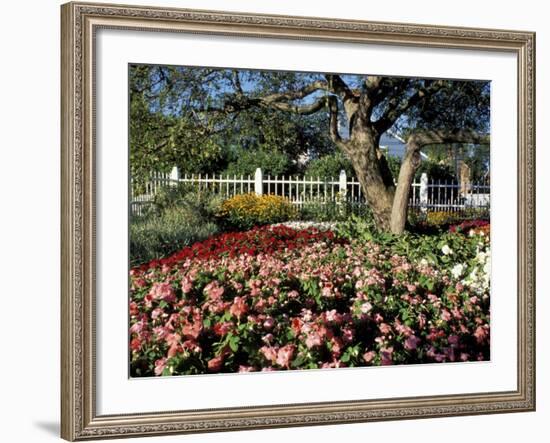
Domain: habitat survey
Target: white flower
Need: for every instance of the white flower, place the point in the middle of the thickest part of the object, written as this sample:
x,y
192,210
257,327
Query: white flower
x,y
457,270
446,250
366,307
424,262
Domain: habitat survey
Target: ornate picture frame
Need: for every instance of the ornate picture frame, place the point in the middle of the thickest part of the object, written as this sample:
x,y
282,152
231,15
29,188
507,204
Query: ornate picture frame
x,y
80,23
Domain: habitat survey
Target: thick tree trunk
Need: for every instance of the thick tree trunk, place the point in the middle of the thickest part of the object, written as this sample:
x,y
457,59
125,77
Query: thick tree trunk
x,y
362,151
410,163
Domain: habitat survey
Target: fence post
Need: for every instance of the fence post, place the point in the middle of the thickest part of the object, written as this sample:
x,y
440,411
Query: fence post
x,y
258,182
343,183
424,192
174,176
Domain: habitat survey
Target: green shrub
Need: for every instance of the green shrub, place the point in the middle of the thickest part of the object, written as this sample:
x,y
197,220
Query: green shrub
x,y
329,165
331,211
203,203
157,236
272,162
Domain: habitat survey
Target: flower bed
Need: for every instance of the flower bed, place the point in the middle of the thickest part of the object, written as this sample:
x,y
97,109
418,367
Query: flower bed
x,y
278,298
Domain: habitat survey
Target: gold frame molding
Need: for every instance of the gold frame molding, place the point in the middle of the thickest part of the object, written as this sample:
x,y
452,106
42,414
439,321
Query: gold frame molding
x,y
79,22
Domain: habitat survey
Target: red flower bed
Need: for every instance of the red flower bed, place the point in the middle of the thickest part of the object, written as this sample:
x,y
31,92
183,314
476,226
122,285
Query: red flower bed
x,y
260,240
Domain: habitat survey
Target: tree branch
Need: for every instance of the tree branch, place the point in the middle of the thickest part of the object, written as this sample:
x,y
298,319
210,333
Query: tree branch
x,y
397,106
333,120
296,109
297,94
424,138
340,88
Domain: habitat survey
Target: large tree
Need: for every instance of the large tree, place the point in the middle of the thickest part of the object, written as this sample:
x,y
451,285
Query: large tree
x,y
188,105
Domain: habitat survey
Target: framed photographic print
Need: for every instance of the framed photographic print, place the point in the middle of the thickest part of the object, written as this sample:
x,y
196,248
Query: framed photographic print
x,y
282,221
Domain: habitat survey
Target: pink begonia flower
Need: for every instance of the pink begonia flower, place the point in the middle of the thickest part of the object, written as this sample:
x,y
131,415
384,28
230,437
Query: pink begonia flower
x,y
186,284
163,291
456,313
421,321
139,283
411,287
157,312
369,356
411,343
333,364
260,305
386,356
285,354
464,356
243,368
293,294
453,339
134,310
333,316
270,353
215,364
378,318
148,299
192,330
191,345
445,315
313,339
337,347
223,328
268,338
160,364
481,333
306,315
348,334
402,329
239,307
269,323
384,328
214,290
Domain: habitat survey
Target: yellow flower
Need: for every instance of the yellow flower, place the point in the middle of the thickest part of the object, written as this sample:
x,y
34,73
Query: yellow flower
x,y
247,210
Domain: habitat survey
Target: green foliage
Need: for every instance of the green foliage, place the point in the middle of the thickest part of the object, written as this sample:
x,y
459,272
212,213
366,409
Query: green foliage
x,y
202,204
179,216
244,162
331,211
329,165
157,236
435,169
357,227
412,245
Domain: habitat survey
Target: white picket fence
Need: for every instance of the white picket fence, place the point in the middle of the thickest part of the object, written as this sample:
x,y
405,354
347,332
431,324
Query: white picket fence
x,y
425,194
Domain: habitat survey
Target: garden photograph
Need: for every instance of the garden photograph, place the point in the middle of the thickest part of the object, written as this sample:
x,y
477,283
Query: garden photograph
x,y
283,220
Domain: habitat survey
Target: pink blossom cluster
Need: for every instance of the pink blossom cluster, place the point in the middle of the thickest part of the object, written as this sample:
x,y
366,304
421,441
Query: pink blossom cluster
x,y
325,304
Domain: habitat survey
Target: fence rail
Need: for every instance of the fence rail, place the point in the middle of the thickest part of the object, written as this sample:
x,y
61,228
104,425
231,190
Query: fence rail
x,y
425,194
